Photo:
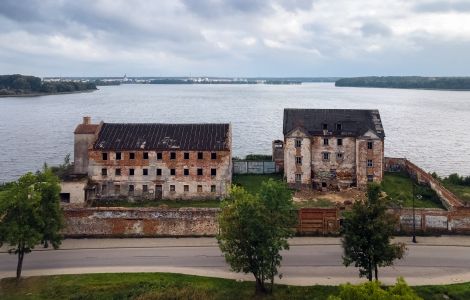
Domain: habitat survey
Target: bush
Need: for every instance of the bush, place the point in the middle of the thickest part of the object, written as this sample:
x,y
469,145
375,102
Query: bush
x,y
373,290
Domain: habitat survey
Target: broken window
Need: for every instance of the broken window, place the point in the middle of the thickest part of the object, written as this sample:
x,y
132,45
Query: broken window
x,y
199,171
146,155
172,155
370,178
117,189
131,172
186,155
200,155
118,155
213,172
298,143
132,155
338,126
325,126
298,160
145,172
172,172
117,172
103,189
104,155
213,155
199,188
370,163
159,172
370,145
339,155
65,197
145,188
326,156
172,188
131,188
104,172
298,178
186,172
323,184
213,188
326,142
340,142
186,188
159,156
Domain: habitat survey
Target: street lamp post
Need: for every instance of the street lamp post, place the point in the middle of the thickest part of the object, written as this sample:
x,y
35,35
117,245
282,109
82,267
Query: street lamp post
x,y
414,215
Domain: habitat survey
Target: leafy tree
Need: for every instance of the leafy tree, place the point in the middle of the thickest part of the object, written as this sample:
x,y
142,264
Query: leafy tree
x,y
367,231
30,214
254,229
373,291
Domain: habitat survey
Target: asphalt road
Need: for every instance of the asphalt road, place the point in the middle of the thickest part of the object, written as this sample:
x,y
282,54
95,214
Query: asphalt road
x,y
302,264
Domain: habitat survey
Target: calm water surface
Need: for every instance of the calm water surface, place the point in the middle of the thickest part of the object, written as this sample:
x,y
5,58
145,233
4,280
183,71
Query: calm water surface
x,y
432,128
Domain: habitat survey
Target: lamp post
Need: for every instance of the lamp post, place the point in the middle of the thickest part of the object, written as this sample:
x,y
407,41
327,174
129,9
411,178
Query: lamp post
x,y
414,218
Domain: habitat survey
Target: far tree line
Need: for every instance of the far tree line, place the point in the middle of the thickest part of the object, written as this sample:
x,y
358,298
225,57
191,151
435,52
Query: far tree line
x,y
407,82
23,85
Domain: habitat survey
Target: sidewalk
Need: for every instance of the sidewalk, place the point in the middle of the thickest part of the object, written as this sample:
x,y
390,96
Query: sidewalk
x,y
70,244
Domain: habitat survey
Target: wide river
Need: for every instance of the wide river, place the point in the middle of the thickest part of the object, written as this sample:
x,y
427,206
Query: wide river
x,y
432,128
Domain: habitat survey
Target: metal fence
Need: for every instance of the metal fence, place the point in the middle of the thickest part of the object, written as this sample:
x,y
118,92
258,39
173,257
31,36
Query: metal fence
x,y
253,167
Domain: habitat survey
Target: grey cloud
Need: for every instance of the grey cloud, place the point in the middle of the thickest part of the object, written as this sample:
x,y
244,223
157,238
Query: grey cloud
x,y
442,6
216,8
375,29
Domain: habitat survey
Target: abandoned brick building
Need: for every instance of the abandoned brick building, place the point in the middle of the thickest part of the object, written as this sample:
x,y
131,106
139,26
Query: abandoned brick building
x,y
154,161
332,148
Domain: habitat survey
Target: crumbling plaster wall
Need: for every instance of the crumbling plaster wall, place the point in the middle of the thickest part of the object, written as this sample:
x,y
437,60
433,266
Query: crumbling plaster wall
x,y
290,154
363,154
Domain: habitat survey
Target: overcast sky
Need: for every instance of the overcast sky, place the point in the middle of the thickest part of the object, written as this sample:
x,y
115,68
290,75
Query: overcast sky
x,y
235,37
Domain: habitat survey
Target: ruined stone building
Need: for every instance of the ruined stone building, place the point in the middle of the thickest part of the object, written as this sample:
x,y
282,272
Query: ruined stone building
x,y
332,148
154,161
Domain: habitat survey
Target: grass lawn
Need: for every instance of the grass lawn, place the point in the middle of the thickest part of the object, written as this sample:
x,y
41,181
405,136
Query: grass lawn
x,y
177,286
156,203
320,202
461,191
399,187
252,183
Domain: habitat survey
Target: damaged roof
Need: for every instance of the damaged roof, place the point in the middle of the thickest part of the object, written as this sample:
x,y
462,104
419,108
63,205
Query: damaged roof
x,y
154,136
354,122
86,129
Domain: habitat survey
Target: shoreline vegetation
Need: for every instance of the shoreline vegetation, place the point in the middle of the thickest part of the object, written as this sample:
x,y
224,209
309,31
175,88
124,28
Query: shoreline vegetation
x,y
408,82
17,85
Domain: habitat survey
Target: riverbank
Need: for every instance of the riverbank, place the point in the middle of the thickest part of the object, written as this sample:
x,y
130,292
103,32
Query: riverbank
x,y
46,94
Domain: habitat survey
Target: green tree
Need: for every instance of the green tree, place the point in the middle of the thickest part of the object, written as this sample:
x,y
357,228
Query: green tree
x,y
254,229
373,291
367,232
29,214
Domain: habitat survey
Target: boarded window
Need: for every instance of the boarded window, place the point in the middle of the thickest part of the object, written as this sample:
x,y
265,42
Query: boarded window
x,y
117,189
199,188
213,188
186,188
172,188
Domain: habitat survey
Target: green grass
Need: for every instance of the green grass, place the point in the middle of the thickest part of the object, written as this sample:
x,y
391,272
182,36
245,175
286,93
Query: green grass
x,y
399,187
252,183
461,191
320,202
157,203
178,286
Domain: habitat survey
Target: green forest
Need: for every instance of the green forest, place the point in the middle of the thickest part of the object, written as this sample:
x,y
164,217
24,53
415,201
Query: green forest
x,y
15,85
407,82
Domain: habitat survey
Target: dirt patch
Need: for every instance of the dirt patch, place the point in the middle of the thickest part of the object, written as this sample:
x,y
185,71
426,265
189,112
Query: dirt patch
x,y
335,197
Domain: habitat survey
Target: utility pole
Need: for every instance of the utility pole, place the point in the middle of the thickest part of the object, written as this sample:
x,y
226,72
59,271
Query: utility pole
x,y
414,220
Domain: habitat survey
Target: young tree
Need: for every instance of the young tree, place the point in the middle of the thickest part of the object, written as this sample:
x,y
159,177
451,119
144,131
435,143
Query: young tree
x,y
25,218
367,232
254,229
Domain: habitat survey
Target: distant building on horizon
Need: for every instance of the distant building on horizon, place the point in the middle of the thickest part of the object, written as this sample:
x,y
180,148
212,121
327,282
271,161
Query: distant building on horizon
x,y
332,149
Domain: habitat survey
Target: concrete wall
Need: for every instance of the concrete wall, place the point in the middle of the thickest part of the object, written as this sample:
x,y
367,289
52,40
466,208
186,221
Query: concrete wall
x,y
434,220
76,189
116,186
140,222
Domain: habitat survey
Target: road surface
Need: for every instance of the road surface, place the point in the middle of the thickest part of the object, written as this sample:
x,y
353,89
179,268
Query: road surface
x,y
303,264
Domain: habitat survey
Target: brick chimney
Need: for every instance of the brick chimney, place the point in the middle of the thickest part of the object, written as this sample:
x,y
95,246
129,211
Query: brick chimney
x,y
86,120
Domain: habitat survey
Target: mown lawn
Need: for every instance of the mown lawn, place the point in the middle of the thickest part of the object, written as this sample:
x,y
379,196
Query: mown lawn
x,y
399,187
178,286
156,203
461,191
252,183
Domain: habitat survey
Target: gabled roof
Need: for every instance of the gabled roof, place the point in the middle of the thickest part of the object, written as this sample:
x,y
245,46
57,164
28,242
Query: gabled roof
x,y
86,129
154,136
354,122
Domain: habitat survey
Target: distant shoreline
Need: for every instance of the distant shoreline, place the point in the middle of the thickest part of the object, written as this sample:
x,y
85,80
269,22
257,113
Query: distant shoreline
x,y
403,88
46,94
408,82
